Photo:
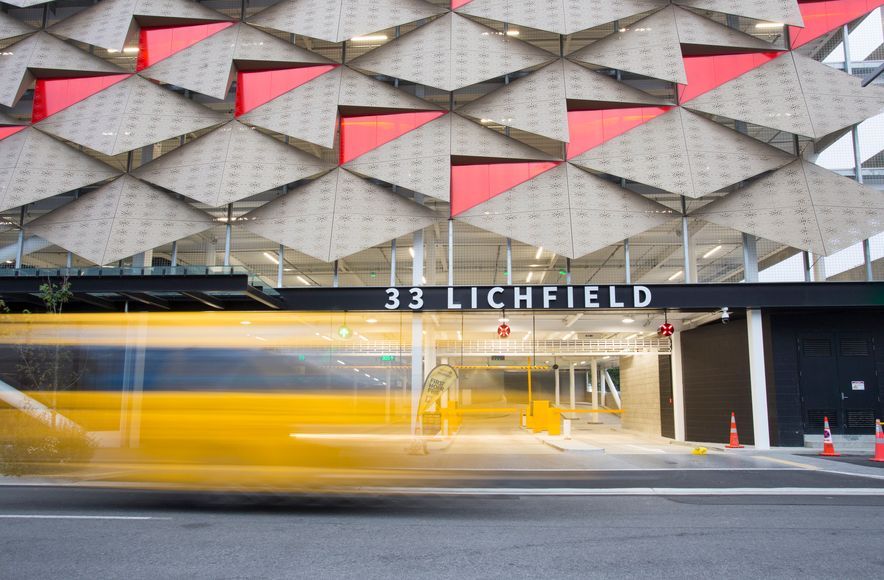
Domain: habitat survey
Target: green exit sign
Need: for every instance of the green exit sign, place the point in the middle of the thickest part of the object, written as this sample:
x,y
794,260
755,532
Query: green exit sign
x,y
388,358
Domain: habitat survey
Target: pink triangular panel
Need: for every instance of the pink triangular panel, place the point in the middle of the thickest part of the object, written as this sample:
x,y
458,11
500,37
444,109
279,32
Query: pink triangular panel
x,y
590,129
823,17
363,133
157,43
708,72
254,88
53,95
455,4
475,184
7,131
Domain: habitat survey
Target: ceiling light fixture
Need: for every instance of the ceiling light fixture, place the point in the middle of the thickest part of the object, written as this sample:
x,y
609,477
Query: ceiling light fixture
x,y
711,252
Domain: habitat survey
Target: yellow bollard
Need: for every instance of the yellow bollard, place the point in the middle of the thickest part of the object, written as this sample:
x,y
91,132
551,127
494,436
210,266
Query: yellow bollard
x,y
554,422
540,418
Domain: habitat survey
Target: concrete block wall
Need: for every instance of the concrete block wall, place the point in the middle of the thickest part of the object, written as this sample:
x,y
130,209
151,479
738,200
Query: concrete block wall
x,y
640,391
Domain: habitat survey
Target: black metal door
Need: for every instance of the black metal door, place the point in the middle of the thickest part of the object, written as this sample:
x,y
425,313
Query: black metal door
x,y
838,380
857,382
817,370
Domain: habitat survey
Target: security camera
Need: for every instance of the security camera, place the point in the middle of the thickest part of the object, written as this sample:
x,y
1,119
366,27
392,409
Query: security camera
x,y
725,315
556,367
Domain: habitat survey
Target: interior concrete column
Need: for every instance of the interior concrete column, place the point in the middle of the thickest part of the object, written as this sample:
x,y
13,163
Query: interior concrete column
x,y
750,258
143,259
417,367
430,261
573,386
558,386
678,385
594,384
758,379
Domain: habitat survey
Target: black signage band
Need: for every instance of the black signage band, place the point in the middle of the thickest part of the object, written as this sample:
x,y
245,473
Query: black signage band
x,y
590,297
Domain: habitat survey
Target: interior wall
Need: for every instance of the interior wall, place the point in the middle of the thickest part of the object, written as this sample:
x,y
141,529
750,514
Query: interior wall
x,y
640,393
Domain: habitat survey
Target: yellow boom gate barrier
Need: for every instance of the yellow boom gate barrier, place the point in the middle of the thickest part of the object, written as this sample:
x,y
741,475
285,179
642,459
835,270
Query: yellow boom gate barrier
x,y
541,416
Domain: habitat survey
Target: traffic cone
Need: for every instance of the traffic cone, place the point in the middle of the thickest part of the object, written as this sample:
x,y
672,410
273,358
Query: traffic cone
x,y
828,445
735,438
879,443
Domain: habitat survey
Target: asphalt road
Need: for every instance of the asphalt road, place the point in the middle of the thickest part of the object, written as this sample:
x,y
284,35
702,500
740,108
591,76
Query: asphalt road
x,y
69,533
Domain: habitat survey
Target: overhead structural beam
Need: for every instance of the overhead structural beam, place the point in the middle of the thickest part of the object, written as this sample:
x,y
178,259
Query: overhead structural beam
x,y
95,301
203,298
147,299
268,301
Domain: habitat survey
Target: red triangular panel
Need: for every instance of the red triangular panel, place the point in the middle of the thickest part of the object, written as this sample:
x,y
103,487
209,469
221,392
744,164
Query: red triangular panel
x,y
475,184
53,95
362,134
708,72
7,131
254,88
157,43
823,17
590,129
455,4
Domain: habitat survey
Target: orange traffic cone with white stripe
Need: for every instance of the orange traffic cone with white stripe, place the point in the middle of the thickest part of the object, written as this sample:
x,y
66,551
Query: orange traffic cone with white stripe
x,y
828,445
735,438
879,442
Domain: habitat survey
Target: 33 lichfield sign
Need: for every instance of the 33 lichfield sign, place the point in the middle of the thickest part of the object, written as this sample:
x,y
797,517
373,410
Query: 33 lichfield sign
x,y
525,297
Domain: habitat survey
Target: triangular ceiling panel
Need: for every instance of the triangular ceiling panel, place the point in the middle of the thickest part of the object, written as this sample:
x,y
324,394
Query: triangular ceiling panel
x,y
110,23
821,18
25,3
128,115
8,131
34,166
118,220
11,27
472,142
548,16
785,11
7,120
450,53
708,72
650,47
310,111
683,153
208,67
53,95
537,103
709,36
569,212
591,128
231,163
39,53
534,103
256,88
339,20
364,133
587,89
835,100
158,42
592,13
803,206
337,215
419,160
474,184
795,94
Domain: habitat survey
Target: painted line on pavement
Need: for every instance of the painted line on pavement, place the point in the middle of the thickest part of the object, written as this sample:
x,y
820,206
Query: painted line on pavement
x,y
73,517
787,462
595,470
631,491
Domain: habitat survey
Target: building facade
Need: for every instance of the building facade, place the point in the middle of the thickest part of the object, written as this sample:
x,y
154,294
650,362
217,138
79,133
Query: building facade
x,y
325,147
